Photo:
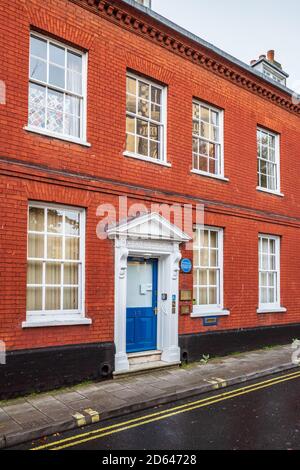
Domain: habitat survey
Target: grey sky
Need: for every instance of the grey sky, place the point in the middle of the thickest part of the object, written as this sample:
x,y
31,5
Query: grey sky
x,y
245,29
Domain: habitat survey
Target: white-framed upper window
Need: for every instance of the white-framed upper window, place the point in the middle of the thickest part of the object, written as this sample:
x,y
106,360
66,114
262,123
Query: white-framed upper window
x,y
268,161
269,272
145,119
146,3
208,147
277,77
55,262
208,270
57,89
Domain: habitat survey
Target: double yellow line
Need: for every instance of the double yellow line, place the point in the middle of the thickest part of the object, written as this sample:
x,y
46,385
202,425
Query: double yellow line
x,y
158,416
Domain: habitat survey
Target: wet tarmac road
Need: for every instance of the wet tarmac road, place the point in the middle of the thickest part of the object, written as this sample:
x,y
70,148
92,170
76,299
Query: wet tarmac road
x,y
258,415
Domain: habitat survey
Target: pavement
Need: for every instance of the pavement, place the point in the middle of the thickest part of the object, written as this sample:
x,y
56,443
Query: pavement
x,y
37,416
260,415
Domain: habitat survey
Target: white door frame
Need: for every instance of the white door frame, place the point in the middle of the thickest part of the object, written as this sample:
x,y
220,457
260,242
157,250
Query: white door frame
x,y
166,250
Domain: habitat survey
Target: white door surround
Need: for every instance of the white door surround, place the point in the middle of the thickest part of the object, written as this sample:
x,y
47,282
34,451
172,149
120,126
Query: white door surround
x,y
148,236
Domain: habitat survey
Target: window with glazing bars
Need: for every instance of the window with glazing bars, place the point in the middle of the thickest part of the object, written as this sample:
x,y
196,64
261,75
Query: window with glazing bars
x,y
268,160
207,267
144,118
56,88
269,254
207,139
55,259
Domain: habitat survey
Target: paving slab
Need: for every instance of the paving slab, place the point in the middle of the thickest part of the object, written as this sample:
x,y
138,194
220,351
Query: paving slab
x,y
38,416
110,403
7,424
69,397
26,415
51,407
127,394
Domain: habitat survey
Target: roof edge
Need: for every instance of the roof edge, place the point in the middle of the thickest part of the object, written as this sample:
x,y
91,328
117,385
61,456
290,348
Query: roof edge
x,y
206,44
137,19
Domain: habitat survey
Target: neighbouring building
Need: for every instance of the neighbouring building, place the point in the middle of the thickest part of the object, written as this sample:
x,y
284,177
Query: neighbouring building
x,y
107,109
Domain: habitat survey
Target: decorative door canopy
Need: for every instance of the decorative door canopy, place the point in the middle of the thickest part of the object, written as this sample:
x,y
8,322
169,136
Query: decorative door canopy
x,y
151,226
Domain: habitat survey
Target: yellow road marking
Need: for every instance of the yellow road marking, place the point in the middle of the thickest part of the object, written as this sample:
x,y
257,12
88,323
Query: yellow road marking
x,y
213,383
222,382
216,382
95,417
80,419
97,434
159,418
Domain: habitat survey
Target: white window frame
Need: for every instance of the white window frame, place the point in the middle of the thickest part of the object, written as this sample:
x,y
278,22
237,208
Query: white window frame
x,y
83,117
163,159
221,174
215,309
60,317
270,73
275,306
145,3
277,162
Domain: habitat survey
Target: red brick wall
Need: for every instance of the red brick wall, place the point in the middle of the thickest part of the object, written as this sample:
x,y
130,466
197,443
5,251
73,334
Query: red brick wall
x,y
234,205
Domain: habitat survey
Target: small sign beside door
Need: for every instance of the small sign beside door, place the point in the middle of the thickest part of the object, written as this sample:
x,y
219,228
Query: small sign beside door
x,y
186,295
210,321
174,304
185,309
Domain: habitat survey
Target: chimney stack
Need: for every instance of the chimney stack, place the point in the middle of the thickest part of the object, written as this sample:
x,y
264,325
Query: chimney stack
x,y
271,55
268,66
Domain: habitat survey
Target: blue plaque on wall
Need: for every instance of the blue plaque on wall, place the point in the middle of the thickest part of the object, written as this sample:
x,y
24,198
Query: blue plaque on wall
x,y
186,265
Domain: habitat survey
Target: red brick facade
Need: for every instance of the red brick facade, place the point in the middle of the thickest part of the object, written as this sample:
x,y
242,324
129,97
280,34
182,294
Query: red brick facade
x,y
40,168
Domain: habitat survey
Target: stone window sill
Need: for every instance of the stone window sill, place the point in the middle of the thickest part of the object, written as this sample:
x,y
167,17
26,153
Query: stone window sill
x,y
271,310
211,313
147,159
50,323
268,191
208,175
46,133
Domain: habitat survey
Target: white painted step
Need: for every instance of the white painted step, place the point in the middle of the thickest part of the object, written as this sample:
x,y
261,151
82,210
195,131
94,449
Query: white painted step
x,y
146,367
144,357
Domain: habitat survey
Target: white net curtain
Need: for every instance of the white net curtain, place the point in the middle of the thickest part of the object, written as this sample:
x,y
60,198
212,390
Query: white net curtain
x,y
54,261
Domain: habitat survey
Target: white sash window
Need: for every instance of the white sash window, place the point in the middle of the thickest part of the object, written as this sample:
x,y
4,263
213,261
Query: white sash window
x,y
57,89
55,266
208,272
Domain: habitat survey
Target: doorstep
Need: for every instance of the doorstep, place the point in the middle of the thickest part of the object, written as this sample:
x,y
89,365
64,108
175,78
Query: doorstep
x,y
146,367
144,357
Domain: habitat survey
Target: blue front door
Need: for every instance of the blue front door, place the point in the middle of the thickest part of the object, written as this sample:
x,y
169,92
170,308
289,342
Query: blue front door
x,y
141,324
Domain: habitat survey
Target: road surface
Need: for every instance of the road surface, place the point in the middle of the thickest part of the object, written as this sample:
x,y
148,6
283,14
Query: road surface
x,y
264,414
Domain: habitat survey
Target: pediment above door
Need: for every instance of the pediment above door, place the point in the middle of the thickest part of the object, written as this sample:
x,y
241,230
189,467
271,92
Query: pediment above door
x,y
151,226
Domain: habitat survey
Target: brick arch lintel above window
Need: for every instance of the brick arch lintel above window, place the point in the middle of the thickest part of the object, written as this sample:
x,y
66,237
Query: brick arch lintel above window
x,y
190,51
60,30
